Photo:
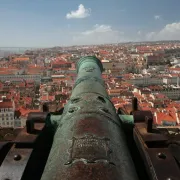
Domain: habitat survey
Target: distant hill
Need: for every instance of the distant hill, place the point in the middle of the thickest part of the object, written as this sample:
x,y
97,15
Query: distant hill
x,y
5,53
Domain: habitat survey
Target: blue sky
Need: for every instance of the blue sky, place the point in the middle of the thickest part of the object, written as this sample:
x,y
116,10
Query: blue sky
x,y
44,23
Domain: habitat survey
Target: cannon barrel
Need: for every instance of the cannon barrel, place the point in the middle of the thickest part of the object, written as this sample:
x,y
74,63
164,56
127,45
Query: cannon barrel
x,y
89,143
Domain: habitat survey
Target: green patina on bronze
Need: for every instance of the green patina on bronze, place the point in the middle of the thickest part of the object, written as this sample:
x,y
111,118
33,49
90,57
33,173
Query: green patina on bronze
x,y
89,142
53,120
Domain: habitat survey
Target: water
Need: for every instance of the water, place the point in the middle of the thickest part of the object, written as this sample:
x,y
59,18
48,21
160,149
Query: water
x,y
6,51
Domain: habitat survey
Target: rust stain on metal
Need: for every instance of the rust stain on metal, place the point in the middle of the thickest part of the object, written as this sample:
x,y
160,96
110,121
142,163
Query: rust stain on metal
x,y
93,171
23,136
140,116
165,167
90,149
90,125
141,128
159,161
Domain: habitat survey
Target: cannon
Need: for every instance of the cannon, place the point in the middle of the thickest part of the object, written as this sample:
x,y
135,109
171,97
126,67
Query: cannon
x,y
89,140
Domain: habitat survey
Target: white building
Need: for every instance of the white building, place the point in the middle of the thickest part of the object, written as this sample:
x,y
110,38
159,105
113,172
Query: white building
x,y
36,78
7,114
172,80
109,65
19,122
176,61
172,93
146,81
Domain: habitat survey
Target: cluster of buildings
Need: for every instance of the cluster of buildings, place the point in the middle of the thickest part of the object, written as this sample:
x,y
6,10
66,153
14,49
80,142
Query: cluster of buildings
x,y
148,71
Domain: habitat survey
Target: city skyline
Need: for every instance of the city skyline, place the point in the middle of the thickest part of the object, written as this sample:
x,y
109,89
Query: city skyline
x,y
46,23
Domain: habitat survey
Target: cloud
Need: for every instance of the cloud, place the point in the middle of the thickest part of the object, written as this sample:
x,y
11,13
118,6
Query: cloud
x,y
157,17
99,34
98,29
81,12
169,32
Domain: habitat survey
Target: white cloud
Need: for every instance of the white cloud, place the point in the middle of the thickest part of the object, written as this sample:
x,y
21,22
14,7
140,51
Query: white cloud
x,y
157,17
81,12
99,34
98,29
169,32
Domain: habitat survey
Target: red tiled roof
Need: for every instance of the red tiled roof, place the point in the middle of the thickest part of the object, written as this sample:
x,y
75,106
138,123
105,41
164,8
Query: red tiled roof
x,y
104,76
47,98
160,96
117,106
21,59
6,105
174,69
103,52
146,109
60,62
27,100
25,112
142,48
161,116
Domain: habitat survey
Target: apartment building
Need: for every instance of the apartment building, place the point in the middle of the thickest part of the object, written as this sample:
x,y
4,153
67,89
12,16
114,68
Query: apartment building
x,y
7,114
